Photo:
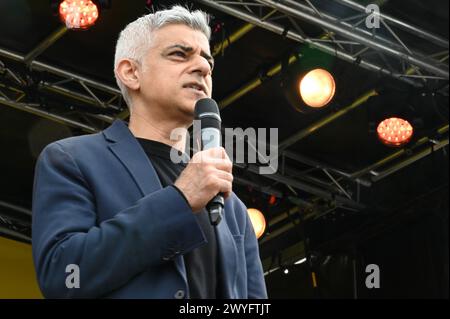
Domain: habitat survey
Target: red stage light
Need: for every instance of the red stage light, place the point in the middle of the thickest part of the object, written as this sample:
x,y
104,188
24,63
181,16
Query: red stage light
x,y
272,200
78,14
395,131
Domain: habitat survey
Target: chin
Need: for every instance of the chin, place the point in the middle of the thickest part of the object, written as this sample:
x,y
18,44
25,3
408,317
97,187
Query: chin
x,y
188,110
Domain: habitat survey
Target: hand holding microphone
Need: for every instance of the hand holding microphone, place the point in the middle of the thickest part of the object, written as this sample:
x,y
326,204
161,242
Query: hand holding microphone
x,y
207,179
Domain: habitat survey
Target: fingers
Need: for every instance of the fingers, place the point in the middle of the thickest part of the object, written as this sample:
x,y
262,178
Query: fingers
x,y
208,173
217,152
224,165
219,182
226,195
226,176
215,156
225,186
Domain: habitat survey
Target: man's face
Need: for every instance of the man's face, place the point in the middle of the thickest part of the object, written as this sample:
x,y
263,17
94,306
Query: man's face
x,y
176,72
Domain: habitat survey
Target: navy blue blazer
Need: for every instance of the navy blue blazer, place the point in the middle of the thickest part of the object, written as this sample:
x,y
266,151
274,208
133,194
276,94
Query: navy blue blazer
x,y
98,203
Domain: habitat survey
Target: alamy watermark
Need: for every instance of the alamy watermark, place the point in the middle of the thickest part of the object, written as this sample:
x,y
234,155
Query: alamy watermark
x,y
73,279
258,150
373,279
373,16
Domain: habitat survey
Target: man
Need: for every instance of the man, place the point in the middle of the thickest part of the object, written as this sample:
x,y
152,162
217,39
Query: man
x,y
112,209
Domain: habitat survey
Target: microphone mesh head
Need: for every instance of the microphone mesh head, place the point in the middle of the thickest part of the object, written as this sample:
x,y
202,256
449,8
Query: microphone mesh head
x,y
207,111
206,105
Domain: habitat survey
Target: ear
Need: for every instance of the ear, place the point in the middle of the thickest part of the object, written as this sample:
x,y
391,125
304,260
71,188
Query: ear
x,y
127,72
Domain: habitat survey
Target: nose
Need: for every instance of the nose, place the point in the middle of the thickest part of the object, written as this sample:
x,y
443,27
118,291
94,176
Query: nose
x,y
201,66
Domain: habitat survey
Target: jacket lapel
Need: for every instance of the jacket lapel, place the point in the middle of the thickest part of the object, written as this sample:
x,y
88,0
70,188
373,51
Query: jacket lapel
x,y
127,149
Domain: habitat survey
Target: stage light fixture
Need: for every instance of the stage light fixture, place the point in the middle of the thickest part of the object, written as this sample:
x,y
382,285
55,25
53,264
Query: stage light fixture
x,y
308,84
395,132
258,221
79,14
272,200
317,88
396,117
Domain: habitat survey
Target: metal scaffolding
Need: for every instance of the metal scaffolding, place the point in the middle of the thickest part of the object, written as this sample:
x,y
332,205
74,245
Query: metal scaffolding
x,y
15,222
316,179
385,50
105,102
14,93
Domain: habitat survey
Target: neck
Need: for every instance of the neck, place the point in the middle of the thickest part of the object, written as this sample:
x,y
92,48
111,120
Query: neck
x,y
150,126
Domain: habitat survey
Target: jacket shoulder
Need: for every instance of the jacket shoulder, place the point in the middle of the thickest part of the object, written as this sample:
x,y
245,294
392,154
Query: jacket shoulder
x,y
77,145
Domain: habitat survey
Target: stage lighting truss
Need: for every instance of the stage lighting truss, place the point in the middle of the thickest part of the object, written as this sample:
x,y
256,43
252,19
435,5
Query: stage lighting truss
x,y
312,179
304,176
15,222
384,50
336,188
101,103
17,92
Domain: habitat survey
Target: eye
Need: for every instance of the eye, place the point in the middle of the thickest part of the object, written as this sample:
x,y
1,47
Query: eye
x,y
179,53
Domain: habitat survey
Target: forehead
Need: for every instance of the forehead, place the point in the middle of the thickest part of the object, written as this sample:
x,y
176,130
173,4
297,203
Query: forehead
x,y
180,34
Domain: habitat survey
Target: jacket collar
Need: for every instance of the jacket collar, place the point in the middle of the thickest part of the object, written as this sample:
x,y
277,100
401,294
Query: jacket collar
x,y
128,150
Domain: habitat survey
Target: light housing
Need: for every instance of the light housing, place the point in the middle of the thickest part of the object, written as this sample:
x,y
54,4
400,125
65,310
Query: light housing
x,y
308,83
317,88
79,14
258,221
393,120
395,131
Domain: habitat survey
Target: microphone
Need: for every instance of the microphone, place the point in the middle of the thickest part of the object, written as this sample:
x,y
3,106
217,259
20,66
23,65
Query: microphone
x,y
207,111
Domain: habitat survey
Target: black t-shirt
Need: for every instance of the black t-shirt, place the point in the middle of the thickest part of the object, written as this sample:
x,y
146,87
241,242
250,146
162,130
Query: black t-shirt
x,y
202,266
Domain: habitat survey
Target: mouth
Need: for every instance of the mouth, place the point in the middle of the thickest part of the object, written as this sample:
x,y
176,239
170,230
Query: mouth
x,y
196,88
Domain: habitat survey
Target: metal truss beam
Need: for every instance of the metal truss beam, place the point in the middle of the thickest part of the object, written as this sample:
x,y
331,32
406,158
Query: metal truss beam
x,y
64,80
15,222
306,187
348,41
327,193
430,144
435,146
288,176
37,110
80,119
45,44
269,11
400,24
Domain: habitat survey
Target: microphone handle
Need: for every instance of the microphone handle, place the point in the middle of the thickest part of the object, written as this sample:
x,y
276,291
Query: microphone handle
x,y
211,138
215,209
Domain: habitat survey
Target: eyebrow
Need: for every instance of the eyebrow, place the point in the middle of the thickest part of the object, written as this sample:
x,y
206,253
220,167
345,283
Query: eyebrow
x,y
190,49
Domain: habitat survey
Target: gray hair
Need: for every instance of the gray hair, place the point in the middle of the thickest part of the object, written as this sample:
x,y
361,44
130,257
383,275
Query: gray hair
x,y
135,40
